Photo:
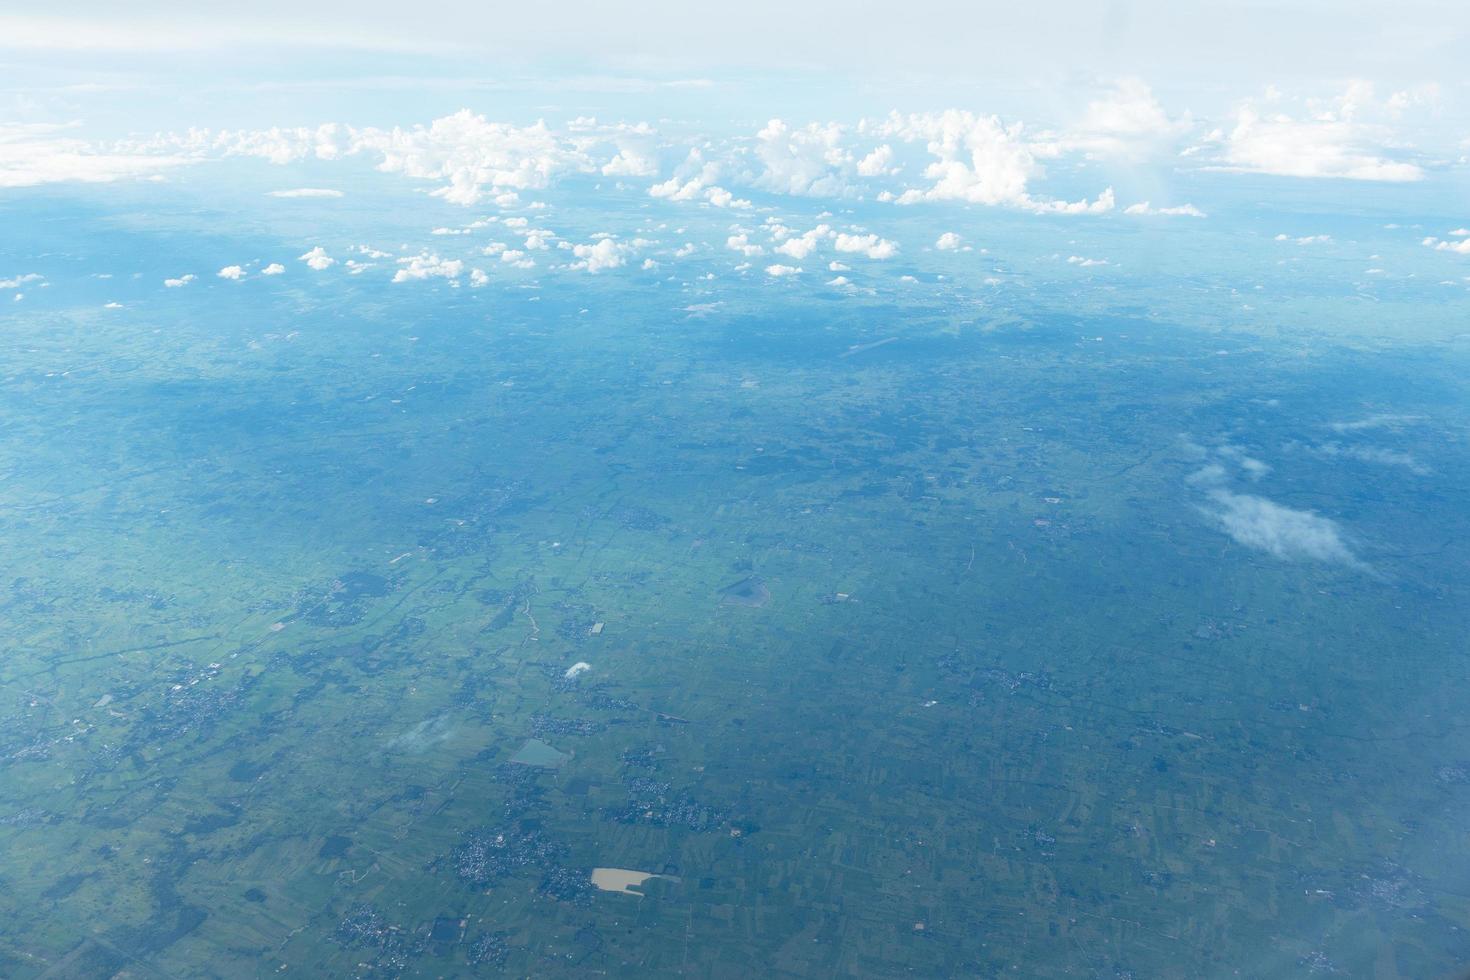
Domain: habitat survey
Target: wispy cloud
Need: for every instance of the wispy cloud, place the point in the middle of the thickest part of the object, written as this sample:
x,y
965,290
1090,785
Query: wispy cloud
x,y
1280,531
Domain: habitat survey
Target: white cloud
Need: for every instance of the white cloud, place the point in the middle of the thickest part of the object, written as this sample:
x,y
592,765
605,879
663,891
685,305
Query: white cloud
x,y
474,157
604,254
631,161
722,198
1373,454
1085,262
879,163
1305,239
21,280
1462,247
1126,121
1292,535
318,259
1145,208
778,271
870,245
800,246
36,153
426,265
306,192
1346,138
806,161
948,242
741,243
231,272
274,269
980,160
180,281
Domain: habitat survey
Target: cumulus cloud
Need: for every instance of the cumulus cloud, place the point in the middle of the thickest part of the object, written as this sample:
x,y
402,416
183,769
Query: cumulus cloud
x,y
778,271
18,281
810,160
800,246
318,259
306,192
878,163
1283,532
722,198
180,281
870,245
979,160
274,269
948,242
473,157
631,161
1348,138
741,243
1461,247
604,254
231,272
427,265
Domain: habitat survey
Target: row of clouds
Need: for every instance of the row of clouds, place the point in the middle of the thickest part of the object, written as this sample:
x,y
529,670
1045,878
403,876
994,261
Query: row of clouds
x,y
928,157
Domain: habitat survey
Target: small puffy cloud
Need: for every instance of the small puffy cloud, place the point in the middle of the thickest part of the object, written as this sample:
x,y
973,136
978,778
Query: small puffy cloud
x,y
1305,239
274,269
689,180
427,265
306,192
778,271
180,281
838,267
800,246
722,198
741,243
631,161
1283,532
870,245
948,242
1183,210
231,272
478,278
318,259
1084,262
1461,247
604,254
21,280
879,163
